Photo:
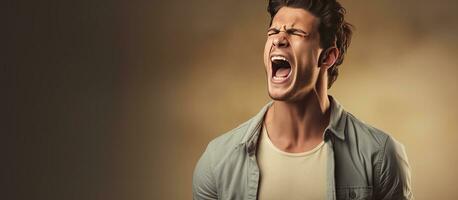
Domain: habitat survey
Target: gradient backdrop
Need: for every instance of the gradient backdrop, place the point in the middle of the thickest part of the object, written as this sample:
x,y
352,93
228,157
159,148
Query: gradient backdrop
x,y
117,100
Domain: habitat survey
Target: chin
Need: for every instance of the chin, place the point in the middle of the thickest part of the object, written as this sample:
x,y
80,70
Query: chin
x,y
288,94
280,94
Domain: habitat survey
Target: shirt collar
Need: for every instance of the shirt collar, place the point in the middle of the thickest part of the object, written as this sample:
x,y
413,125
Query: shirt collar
x,y
336,124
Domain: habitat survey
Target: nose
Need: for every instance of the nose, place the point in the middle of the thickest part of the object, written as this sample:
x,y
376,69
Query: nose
x,y
280,40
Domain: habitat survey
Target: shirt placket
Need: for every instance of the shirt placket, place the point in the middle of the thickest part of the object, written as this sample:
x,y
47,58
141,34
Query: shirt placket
x,y
253,168
253,179
331,194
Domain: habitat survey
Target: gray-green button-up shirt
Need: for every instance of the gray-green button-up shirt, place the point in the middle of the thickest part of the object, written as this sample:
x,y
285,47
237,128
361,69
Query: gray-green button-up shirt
x,y
363,162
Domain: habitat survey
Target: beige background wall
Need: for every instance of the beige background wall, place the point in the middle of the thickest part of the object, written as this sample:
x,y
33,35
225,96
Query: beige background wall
x,y
117,100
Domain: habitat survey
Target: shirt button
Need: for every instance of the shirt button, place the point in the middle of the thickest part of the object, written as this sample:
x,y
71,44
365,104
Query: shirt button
x,y
352,194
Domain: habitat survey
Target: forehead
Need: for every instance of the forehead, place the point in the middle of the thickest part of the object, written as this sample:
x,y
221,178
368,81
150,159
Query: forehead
x,y
295,17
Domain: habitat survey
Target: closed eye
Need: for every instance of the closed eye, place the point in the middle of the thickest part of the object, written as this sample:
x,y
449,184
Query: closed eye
x,y
298,32
272,31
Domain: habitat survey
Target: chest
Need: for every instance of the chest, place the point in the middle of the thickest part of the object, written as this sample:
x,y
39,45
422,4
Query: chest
x,y
346,176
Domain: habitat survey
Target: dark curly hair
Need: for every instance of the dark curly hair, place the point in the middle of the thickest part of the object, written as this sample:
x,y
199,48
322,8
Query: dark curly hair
x,y
333,28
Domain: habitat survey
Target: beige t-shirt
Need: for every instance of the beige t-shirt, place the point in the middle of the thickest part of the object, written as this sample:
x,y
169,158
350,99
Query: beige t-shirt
x,y
291,175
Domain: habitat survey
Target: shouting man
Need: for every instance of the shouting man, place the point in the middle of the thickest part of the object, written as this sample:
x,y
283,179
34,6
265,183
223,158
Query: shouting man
x,y
303,144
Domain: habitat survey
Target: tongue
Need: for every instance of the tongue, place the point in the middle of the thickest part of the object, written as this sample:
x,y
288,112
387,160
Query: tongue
x,y
282,72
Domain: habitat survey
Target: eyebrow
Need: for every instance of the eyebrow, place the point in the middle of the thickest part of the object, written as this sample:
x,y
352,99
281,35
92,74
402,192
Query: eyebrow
x,y
272,29
288,30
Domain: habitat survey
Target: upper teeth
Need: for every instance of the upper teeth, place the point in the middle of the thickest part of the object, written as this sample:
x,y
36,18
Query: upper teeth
x,y
278,58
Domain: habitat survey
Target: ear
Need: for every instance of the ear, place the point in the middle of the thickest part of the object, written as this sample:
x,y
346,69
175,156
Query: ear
x,y
328,57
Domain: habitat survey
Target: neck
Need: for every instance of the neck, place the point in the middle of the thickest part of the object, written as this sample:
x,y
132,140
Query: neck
x,y
297,126
295,120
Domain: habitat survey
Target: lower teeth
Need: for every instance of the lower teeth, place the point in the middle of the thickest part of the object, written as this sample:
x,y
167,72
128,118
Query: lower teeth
x,y
279,78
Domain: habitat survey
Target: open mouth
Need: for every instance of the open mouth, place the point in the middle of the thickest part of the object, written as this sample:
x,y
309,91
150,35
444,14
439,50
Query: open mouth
x,y
281,68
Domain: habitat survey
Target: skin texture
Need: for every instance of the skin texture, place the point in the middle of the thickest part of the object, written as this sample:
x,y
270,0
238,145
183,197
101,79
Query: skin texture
x,y
300,112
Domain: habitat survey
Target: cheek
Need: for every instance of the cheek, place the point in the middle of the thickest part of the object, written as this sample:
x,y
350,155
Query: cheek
x,y
307,55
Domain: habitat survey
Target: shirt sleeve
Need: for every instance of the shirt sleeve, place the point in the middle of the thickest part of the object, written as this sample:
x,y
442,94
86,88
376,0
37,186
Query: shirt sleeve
x,y
203,181
393,173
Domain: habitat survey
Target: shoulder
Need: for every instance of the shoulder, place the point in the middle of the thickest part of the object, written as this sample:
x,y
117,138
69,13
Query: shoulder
x,y
230,138
366,134
377,141
237,137
229,142
216,151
